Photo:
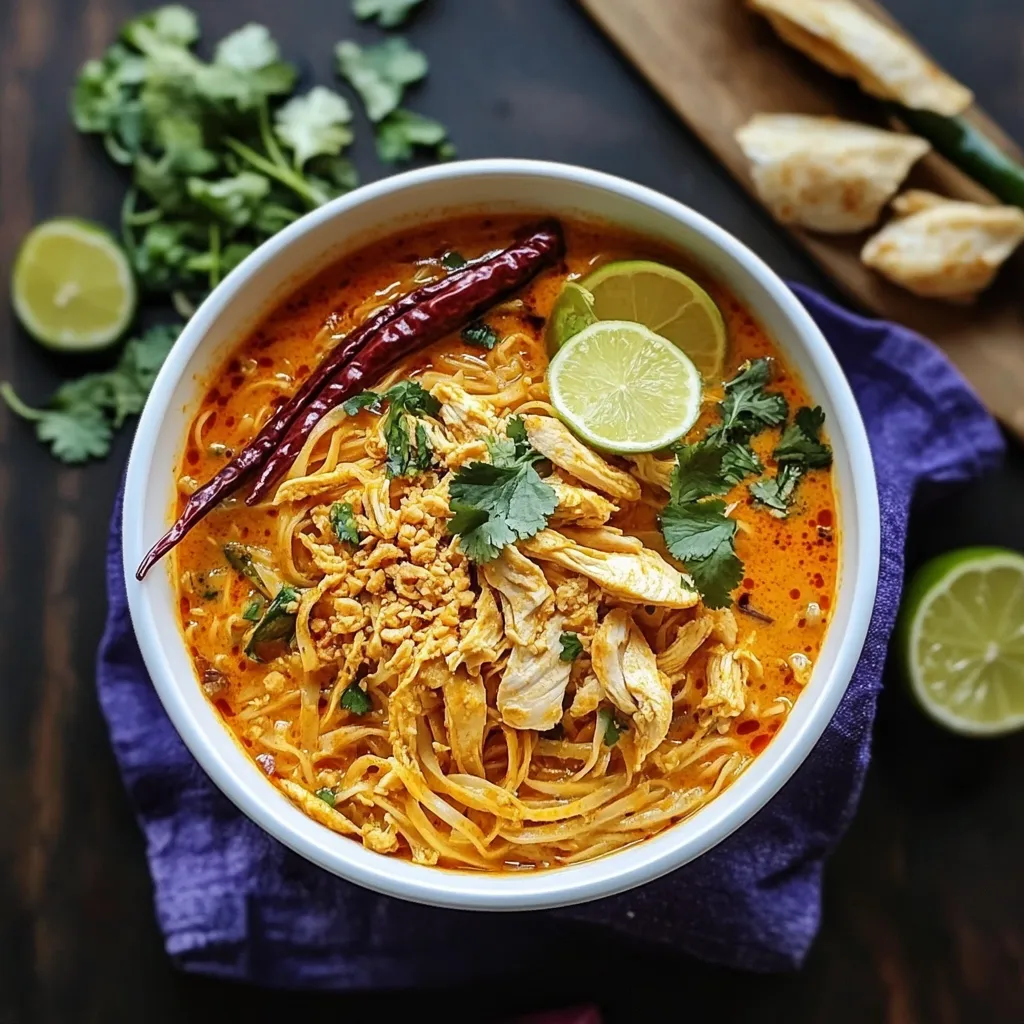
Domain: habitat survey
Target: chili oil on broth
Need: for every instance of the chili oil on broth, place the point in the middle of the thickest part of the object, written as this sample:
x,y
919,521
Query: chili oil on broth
x,y
290,720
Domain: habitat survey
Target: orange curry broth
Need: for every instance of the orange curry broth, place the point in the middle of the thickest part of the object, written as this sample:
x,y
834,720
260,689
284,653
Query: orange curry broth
x,y
788,562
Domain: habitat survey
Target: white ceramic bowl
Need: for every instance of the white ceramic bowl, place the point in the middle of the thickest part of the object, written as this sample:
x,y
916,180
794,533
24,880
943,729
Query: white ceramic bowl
x,y
322,236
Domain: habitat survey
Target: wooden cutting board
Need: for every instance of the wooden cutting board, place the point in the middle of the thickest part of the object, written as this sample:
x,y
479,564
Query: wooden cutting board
x,y
717,64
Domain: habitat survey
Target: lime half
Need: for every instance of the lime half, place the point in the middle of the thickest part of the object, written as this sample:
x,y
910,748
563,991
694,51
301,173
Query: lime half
x,y
623,388
962,634
72,287
660,297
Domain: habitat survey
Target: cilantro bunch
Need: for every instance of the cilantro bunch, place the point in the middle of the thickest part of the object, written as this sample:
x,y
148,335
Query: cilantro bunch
x,y
78,422
496,503
219,162
799,449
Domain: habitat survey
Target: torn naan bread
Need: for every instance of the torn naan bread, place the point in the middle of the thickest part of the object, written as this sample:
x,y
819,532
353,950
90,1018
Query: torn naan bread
x,y
849,41
823,173
942,248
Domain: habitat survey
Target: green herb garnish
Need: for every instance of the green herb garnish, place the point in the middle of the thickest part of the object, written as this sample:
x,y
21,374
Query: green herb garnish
x,y
327,795
343,522
748,408
401,133
277,624
701,535
240,560
480,334
499,502
356,699
380,74
253,611
799,449
364,400
407,455
79,420
609,727
571,647
389,13
453,260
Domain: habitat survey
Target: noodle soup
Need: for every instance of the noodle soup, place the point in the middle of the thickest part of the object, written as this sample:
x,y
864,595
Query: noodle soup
x,y
529,710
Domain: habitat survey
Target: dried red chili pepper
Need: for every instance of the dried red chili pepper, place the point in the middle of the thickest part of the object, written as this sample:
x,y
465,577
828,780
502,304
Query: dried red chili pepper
x,y
469,290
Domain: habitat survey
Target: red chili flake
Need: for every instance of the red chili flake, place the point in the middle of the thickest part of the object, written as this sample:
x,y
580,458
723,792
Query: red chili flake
x,y
303,370
273,513
801,623
234,366
824,602
192,457
265,361
237,381
184,606
759,742
230,421
750,725
819,580
825,517
243,666
748,583
795,594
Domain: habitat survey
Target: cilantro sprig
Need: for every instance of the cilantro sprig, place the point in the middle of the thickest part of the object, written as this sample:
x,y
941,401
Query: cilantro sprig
x,y
408,454
355,699
799,450
694,523
389,13
79,419
572,648
496,503
343,522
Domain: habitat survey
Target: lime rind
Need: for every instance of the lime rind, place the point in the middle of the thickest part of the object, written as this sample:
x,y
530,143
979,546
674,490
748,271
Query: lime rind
x,y
624,389
962,634
72,287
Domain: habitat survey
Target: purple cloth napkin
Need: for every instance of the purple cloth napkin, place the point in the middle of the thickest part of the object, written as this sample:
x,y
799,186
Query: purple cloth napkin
x,y
233,902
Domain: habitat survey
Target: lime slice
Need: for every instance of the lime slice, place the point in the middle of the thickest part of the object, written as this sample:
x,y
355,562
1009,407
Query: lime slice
x,y
657,296
623,388
962,635
72,286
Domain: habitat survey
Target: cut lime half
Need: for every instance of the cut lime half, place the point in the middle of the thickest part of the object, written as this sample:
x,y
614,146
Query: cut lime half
x,y
72,287
623,388
962,636
659,297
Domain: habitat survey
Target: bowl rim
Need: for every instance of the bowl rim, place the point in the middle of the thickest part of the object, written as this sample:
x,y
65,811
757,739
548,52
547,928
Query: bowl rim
x,y
589,880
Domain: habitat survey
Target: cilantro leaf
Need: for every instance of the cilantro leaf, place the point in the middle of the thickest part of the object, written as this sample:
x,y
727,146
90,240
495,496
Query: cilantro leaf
x,y
364,400
79,420
801,443
702,536
698,472
747,408
739,462
800,449
716,576
380,74
277,624
233,200
253,611
697,529
480,334
343,522
453,260
496,503
389,13
571,647
609,727
314,125
402,131
356,699
327,795
171,23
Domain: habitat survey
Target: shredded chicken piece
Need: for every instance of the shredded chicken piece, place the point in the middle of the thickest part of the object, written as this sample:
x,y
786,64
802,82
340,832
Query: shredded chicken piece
x,y
466,417
523,590
726,675
579,506
587,697
673,660
554,441
465,718
628,672
644,577
485,639
723,626
654,471
381,518
381,839
300,488
319,810
533,685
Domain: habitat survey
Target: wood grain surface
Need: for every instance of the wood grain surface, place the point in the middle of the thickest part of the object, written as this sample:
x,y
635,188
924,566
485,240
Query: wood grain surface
x,y
717,64
923,908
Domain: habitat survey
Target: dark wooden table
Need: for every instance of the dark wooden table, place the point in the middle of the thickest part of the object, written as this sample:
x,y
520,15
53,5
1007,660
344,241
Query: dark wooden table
x,y
924,900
